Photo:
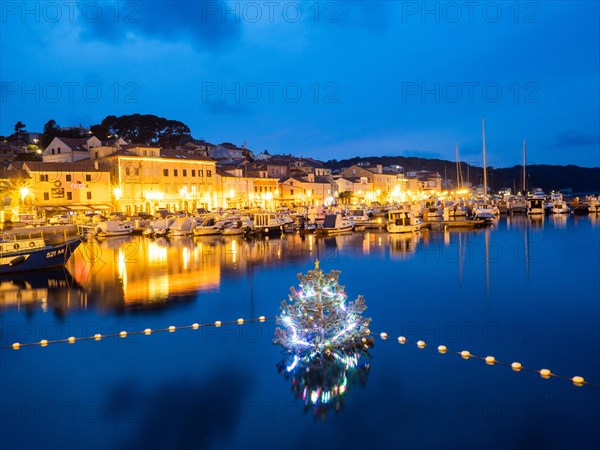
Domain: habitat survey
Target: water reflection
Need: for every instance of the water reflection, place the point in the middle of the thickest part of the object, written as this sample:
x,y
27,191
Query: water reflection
x,y
49,289
134,271
321,380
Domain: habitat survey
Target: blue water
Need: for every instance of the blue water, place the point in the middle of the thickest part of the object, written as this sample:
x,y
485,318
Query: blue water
x,y
523,290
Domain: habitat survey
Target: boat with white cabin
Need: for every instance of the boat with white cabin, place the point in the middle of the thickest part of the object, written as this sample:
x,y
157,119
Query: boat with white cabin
x,y
403,221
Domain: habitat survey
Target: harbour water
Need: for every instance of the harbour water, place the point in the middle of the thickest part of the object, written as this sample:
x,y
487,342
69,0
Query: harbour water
x,y
524,290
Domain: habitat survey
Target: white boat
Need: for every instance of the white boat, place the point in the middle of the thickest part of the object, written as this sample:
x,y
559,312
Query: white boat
x,y
402,221
236,228
518,205
334,224
485,211
112,228
211,226
535,206
359,217
433,209
560,207
456,210
159,227
183,226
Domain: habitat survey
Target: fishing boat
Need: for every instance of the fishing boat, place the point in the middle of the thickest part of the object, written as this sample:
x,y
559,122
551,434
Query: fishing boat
x,y
110,228
24,251
270,222
334,224
402,221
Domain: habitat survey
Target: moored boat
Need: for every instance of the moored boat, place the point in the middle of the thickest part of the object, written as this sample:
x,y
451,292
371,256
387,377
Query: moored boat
x,y
402,221
334,224
110,228
36,250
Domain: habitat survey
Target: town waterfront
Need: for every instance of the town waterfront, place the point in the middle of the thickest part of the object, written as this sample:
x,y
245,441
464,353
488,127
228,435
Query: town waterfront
x,y
524,290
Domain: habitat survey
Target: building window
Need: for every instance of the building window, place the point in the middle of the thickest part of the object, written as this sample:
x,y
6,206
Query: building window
x,y
184,173
46,196
69,196
68,177
43,177
88,177
58,150
291,192
166,172
89,195
200,173
175,172
209,173
193,172
96,155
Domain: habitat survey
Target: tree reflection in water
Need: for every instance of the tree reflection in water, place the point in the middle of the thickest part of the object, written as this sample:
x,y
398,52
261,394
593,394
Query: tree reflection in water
x,y
321,380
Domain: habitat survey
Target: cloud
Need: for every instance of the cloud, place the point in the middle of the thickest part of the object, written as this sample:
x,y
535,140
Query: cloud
x,y
202,23
574,138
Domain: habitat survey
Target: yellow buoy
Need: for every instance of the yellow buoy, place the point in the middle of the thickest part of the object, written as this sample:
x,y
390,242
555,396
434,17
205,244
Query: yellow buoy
x,y
442,349
195,326
240,321
516,366
16,346
218,323
465,354
490,360
43,342
171,328
384,335
262,318
71,340
421,344
97,336
147,331
578,381
402,339
545,373
123,334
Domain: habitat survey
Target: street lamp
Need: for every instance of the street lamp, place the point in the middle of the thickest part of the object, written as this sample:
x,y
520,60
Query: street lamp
x,y
24,193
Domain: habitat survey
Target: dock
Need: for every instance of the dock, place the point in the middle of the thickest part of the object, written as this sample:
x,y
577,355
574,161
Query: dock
x,y
445,224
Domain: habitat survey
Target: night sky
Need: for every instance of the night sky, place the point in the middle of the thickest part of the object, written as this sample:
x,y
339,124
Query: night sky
x,y
319,79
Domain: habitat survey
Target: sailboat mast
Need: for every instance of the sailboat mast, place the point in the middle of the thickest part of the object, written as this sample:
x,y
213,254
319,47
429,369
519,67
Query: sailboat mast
x,y
524,165
457,169
484,162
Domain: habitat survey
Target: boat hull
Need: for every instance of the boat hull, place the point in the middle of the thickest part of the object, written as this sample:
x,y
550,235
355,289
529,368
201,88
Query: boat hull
x,y
393,228
38,259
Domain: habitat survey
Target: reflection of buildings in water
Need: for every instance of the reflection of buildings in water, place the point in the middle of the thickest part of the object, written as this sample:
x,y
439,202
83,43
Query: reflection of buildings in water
x,y
52,289
403,244
321,380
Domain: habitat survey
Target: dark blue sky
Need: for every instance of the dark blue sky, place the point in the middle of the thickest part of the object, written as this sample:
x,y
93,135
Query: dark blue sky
x,y
321,79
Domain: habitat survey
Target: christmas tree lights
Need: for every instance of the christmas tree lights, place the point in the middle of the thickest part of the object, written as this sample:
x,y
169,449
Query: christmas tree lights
x,y
317,318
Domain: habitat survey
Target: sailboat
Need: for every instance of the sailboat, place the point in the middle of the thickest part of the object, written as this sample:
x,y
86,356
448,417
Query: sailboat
x,y
485,210
518,205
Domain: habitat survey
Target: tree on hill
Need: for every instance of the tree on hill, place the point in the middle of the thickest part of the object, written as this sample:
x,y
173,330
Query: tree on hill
x,y
145,129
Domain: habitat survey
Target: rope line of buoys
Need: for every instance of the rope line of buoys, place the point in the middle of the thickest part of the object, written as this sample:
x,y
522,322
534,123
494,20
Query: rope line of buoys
x,y
491,360
147,331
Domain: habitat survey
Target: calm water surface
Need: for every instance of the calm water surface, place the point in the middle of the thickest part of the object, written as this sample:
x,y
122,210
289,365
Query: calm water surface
x,y
524,290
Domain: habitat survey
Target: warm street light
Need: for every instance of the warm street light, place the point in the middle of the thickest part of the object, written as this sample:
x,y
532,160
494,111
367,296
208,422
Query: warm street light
x,y
118,193
24,193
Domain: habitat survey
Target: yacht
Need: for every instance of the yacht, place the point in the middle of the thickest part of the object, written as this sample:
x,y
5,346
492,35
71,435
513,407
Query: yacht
x,y
183,226
211,226
560,207
485,211
535,206
593,204
110,228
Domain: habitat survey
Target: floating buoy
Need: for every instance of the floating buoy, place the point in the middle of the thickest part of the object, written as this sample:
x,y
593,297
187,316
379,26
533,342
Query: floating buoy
x,y
171,328
71,340
465,354
240,321
97,336
421,344
516,366
402,339
147,331
545,373
123,334
578,381
384,335
195,326
218,323
43,342
442,349
262,318
490,360
16,346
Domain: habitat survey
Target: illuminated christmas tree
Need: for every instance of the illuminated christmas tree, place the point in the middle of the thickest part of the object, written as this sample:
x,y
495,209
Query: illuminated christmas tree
x,y
317,318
